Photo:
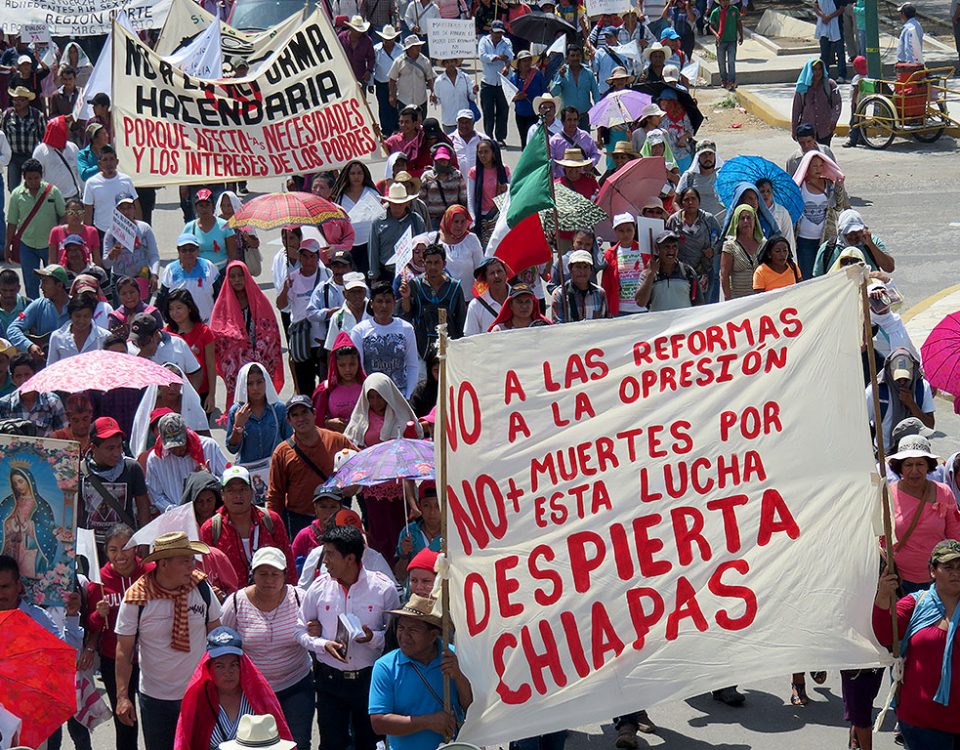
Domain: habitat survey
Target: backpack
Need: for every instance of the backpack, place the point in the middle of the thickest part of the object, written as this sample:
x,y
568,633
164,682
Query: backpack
x,y
216,525
206,593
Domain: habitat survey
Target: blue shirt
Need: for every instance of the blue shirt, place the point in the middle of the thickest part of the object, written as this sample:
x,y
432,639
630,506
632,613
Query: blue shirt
x,y
40,317
395,688
580,93
87,165
72,633
6,318
415,530
524,107
213,244
486,51
261,434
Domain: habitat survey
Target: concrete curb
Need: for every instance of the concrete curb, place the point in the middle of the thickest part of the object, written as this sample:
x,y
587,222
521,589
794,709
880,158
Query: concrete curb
x,y
755,105
929,302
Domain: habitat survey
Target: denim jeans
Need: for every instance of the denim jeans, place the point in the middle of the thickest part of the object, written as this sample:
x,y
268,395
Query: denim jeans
x,y
918,738
158,718
298,703
727,61
389,115
126,737
807,249
830,51
30,260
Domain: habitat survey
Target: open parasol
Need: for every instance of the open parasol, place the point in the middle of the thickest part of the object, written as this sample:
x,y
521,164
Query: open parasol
x,y
753,168
276,210
540,28
656,88
100,370
940,354
617,108
403,458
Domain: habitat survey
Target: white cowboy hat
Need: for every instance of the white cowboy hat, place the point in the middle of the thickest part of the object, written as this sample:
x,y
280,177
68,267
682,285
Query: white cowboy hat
x,y
544,98
388,32
570,158
398,194
656,47
260,732
358,24
412,41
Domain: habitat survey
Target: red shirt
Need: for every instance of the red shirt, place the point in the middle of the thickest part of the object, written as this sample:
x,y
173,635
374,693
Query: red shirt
x,y
198,338
260,536
112,589
307,539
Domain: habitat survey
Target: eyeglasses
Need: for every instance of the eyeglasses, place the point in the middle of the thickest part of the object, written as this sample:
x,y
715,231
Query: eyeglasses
x,y
75,211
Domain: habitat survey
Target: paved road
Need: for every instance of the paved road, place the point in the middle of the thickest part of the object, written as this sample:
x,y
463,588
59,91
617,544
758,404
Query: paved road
x,y
909,196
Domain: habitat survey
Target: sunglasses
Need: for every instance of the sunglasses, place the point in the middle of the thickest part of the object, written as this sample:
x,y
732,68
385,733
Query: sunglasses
x,y
188,249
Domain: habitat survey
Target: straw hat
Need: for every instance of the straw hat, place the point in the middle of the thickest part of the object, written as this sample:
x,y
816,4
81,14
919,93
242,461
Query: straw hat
x,y
423,608
404,177
570,158
651,110
619,73
388,32
656,47
623,147
546,98
260,732
358,24
175,544
398,194
412,41
522,55
22,91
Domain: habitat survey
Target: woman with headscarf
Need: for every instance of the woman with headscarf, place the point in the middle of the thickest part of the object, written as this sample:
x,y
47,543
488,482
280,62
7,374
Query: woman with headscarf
x,y
181,398
225,686
853,232
357,193
257,420
657,143
816,101
519,311
485,181
382,413
747,194
462,247
246,329
821,185
335,398
738,259
74,56
57,155
248,243
781,216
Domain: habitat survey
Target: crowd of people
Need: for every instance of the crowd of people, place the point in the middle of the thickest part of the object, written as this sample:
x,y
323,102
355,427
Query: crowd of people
x,y
300,604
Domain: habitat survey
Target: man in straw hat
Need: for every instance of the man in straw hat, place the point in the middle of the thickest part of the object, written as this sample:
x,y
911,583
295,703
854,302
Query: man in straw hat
x,y
386,232
622,153
344,660
24,126
260,732
411,78
385,53
572,136
165,616
358,47
406,692
545,106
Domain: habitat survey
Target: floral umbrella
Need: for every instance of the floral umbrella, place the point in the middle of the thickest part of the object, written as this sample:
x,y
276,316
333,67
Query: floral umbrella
x,y
574,211
100,370
37,677
402,458
276,210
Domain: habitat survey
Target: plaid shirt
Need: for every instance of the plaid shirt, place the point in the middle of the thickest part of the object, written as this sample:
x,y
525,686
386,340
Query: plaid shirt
x,y
440,191
23,133
47,413
589,304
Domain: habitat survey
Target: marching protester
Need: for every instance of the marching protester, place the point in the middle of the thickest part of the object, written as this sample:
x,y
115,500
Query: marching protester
x,y
36,207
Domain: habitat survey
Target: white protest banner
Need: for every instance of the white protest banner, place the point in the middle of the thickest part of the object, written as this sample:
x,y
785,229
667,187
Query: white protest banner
x,y
87,547
509,90
403,251
123,230
608,7
181,518
72,19
302,113
203,57
35,33
646,508
452,38
101,77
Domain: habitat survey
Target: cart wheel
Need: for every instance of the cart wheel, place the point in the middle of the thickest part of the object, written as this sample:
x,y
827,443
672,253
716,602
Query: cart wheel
x,y
877,122
932,135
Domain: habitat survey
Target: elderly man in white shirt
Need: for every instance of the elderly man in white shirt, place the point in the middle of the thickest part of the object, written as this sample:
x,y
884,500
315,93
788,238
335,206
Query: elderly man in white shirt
x,y
179,457
384,54
465,139
345,659
454,91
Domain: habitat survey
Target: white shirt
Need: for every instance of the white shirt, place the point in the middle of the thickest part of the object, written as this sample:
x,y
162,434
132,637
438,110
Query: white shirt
x,y
280,270
199,286
63,345
462,259
61,172
453,95
384,61
101,193
369,599
390,349
165,476
479,318
552,129
328,295
299,294
345,322
466,150
171,349
418,14
165,672
372,561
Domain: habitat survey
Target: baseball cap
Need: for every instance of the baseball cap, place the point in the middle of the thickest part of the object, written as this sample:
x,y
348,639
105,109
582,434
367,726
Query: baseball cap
x,y
106,427
143,326
173,431
354,280
310,244
24,59
442,153
187,239
581,256
666,236
607,30
498,26
624,218
465,114
341,256
203,194
706,146
92,129
341,457
71,239
348,518
332,492
234,472
222,641
268,556
669,33
902,367
805,129
518,290
945,551
299,400
54,271
125,198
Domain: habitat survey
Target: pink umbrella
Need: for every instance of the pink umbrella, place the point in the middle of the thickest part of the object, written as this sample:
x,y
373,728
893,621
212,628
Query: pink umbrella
x,y
940,354
629,188
618,108
100,371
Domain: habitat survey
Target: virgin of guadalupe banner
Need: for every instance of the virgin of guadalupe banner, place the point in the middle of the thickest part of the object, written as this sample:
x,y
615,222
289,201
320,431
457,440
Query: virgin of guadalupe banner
x,y
302,112
88,18
38,519
646,508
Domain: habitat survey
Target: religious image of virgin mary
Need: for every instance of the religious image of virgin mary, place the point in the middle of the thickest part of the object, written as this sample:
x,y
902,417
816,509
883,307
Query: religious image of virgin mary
x,y
28,524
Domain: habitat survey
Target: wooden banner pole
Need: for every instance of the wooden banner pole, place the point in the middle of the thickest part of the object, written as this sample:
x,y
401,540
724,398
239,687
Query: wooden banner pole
x,y
441,481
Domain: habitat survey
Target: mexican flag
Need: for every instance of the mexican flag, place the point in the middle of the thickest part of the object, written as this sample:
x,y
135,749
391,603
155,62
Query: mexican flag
x,y
518,238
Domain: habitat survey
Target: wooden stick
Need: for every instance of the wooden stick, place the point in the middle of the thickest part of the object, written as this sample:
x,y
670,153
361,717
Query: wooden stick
x,y
441,479
878,421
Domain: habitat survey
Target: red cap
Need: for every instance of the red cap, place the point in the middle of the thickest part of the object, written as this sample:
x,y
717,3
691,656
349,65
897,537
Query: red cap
x,y
157,413
347,518
425,559
203,194
106,427
427,486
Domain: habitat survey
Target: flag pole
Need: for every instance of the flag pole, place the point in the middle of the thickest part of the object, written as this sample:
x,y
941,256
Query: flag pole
x,y
878,421
556,224
441,481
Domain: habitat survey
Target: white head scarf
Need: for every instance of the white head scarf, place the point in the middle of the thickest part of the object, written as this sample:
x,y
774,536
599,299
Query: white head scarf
x,y
240,392
190,408
395,419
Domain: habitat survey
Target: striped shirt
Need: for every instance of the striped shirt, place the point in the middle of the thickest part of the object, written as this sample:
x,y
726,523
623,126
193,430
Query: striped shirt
x,y
226,728
270,638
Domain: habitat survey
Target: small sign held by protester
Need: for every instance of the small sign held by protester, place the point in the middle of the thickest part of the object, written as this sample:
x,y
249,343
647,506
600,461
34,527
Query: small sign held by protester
x,y
452,38
124,230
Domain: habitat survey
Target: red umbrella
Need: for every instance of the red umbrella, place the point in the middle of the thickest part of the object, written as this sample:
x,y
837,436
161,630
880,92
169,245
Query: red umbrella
x,y
276,210
100,371
629,188
37,676
940,354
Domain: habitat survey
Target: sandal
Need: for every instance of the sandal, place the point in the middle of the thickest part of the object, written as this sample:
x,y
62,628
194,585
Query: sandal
x,y
818,677
854,743
798,695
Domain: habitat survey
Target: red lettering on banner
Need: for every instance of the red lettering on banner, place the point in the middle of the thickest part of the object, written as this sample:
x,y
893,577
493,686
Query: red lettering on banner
x,y
477,618
642,621
507,695
687,607
647,547
548,659
517,426
718,587
731,530
571,631
582,562
775,517
537,573
689,534
506,585
752,421
512,387
476,521
604,636
456,419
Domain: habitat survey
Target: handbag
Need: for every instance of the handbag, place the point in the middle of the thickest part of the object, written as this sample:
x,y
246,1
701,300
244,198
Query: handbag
x,y
298,340
253,259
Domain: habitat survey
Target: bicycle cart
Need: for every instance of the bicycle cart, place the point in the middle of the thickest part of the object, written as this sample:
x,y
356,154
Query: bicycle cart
x,y
912,106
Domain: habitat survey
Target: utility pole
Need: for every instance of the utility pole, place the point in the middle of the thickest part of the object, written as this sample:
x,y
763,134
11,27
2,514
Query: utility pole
x,y
871,18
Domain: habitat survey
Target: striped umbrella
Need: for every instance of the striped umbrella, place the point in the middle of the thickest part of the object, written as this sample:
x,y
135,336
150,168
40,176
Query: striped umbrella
x,y
276,210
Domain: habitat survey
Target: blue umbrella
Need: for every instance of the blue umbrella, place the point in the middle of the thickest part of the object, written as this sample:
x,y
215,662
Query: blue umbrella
x,y
752,168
